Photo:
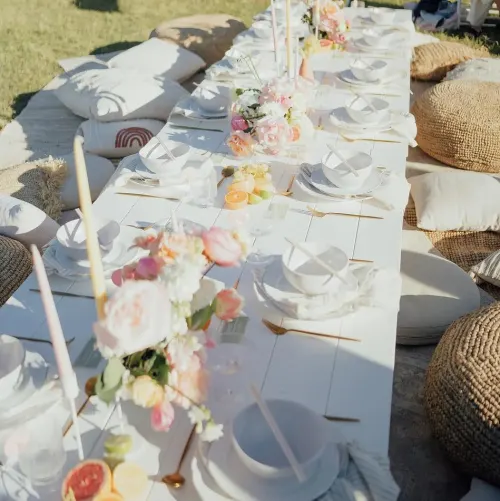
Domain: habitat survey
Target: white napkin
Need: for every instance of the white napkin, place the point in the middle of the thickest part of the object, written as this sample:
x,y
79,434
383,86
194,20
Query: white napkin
x,y
378,288
363,476
392,194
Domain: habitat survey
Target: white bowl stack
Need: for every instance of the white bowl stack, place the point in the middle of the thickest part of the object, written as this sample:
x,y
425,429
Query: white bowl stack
x,y
12,355
347,176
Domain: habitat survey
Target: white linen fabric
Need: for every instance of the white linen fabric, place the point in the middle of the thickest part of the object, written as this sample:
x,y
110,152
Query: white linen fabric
x,y
461,201
109,95
118,139
482,69
488,269
157,57
24,222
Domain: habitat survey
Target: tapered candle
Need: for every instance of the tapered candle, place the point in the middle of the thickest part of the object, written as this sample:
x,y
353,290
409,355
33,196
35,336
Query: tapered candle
x,y
288,39
316,18
297,58
275,38
93,251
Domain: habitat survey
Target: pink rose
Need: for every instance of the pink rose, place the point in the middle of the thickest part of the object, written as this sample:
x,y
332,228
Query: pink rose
x,y
221,247
126,273
188,385
148,268
241,143
239,123
162,416
228,304
272,132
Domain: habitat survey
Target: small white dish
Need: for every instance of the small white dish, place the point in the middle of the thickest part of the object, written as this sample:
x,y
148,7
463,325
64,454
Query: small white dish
x,y
369,71
196,111
382,15
157,160
378,38
12,356
340,118
365,109
337,171
349,77
398,44
238,482
308,276
305,432
71,236
212,98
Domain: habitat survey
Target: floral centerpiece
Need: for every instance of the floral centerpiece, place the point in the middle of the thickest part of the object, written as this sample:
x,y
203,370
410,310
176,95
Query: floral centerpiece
x,y
271,118
332,27
154,330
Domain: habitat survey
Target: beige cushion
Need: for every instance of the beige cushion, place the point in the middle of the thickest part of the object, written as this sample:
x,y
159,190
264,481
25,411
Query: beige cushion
x,y
25,222
488,269
16,266
209,36
483,70
458,123
99,171
435,292
434,60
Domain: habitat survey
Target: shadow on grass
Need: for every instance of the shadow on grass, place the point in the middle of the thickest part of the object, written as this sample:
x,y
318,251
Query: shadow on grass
x,y
113,47
100,5
20,102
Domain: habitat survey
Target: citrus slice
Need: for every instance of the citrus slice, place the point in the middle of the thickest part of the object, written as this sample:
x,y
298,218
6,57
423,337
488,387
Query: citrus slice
x,y
110,496
87,479
246,184
254,199
118,445
129,480
236,200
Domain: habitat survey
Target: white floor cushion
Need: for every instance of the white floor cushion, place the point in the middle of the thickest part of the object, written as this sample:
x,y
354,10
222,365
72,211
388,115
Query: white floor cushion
x,y
99,171
24,222
435,292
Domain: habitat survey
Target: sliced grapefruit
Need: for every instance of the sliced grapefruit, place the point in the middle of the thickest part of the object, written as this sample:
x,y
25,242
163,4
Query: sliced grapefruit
x,y
236,200
130,481
87,480
109,496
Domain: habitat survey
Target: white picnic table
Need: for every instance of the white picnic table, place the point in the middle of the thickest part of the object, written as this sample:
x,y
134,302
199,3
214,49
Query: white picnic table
x,y
333,377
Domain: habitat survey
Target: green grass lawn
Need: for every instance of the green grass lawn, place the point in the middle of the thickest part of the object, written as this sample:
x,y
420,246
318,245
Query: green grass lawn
x,y
34,34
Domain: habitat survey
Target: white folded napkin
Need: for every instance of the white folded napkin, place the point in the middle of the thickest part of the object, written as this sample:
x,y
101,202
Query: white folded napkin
x,y
183,116
378,288
392,194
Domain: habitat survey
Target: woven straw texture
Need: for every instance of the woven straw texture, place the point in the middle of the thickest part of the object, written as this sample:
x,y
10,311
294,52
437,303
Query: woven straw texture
x,y
208,36
38,183
462,393
432,61
458,123
464,248
15,268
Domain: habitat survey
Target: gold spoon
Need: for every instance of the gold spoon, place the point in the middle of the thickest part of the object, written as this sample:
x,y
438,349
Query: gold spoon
x,y
279,331
226,172
318,213
175,479
288,191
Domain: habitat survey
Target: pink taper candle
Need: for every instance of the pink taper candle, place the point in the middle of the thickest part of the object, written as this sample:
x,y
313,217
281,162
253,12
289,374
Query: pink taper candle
x,y
64,367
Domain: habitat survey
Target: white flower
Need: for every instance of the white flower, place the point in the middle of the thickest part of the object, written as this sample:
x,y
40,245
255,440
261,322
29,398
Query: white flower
x,y
206,293
212,432
299,102
182,348
272,109
198,415
248,98
182,277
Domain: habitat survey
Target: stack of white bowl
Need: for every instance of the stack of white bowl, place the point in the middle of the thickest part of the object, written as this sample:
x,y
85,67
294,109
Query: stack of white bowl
x,y
12,358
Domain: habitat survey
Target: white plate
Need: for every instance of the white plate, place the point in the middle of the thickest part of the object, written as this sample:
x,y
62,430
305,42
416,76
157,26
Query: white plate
x,y
237,481
347,76
191,104
339,117
194,163
362,45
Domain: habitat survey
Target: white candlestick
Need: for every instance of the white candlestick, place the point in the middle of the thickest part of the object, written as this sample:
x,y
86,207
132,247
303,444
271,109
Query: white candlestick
x,y
316,18
275,38
288,39
297,58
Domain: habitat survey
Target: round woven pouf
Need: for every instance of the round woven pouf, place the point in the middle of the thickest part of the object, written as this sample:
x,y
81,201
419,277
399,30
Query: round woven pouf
x,y
458,123
462,393
16,265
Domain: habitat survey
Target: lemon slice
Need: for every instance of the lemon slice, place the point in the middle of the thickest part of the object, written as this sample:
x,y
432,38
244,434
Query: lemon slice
x,y
129,480
118,445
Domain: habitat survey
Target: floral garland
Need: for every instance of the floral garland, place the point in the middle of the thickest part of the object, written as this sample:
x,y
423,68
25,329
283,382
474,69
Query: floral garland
x,y
272,117
154,330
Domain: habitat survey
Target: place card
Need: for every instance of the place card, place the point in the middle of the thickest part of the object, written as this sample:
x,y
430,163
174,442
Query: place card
x,y
277,211
89,357
234,332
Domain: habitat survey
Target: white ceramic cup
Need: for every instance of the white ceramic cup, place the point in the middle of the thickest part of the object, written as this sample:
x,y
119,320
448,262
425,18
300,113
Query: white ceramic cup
x,y
12,355
155,158
378,39
308,276
339,174
369,71
367,109
212,97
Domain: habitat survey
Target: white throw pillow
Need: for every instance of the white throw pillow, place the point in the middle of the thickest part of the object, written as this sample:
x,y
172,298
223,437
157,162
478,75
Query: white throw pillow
x,y
158,57
24,222
118,139
461,201
109,95
488,269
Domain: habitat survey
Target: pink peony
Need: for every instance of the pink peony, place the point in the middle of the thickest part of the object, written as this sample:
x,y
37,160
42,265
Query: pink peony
x,y
239,123
241,143
162,416
221,247
148,268
272,132
228,304
189,385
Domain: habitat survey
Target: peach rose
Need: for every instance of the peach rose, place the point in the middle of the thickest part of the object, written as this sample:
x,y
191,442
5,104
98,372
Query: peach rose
x,y
221,247
228,304
162,416
189,385
146,392
241,143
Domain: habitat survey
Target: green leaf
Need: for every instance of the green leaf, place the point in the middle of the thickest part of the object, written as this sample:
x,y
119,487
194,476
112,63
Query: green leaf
x,y
110,380
160,370
201,317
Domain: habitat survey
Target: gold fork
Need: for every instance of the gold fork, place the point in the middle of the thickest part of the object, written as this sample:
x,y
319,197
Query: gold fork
x,y
279,331
317,213
288,191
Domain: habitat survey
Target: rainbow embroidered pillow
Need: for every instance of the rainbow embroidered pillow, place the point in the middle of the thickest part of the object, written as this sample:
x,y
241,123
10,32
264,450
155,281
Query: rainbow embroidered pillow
x,y
117,139
110,94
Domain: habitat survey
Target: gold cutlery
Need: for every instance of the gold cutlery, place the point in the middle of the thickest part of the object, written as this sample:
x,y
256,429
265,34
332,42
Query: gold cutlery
x,y
317,213
35,340
227,172
350,140
340,419
194,128
288,191
65,294
279,331
360,260
175,479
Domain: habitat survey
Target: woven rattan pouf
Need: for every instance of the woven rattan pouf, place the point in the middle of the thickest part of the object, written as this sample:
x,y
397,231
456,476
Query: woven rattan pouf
x,y
462,393
432,61
458,123
15,266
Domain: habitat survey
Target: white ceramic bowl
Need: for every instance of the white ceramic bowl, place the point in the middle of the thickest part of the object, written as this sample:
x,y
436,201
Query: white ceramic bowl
x,y
155,158
378,39
12,356
369,71
360,111
72,237
308,276
262,29
382,15
254,442
212,97
340,175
